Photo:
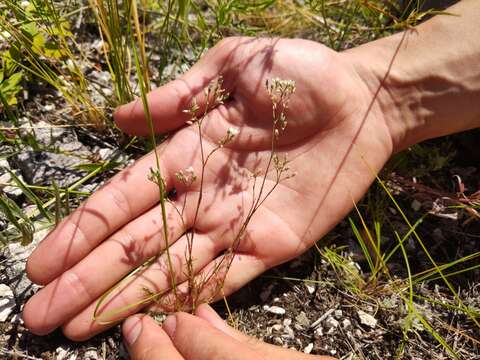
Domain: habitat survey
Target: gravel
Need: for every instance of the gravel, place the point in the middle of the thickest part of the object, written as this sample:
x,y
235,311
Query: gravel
x,y
7,302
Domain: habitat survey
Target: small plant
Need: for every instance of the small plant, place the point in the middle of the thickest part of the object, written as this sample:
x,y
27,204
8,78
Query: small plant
x,y
208,285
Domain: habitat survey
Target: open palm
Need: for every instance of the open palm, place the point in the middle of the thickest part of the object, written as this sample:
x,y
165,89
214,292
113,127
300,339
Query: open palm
x,y
336,141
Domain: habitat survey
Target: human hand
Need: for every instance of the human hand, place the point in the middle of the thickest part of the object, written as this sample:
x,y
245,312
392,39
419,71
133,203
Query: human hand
x,y
202,337
332,145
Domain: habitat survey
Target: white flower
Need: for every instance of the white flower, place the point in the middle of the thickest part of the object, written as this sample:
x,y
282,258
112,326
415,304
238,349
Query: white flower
x,y
25,4
232,131
186,176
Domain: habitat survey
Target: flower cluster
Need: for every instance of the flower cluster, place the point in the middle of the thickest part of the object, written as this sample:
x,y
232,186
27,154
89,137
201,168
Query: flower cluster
x,y
187,176
231,133
280,92
214,94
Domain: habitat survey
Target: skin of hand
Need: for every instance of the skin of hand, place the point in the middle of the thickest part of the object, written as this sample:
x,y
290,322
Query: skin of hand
x,y
344,122
202,337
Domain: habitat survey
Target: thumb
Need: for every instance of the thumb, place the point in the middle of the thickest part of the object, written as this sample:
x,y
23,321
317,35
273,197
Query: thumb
x,y
146,340
168,102
196,339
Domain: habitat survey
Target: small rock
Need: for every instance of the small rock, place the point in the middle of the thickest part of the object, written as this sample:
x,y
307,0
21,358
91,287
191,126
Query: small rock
x,y
3,223
98,45
277,327
346,324
317,322
288,333
40,168
113,155
277,340
331,323
13,269
310,288
277,310
308,349
302,319
17,319
105,153
338,314
103,77
6,178
63,354
107,92
91,355
7,302
367,319
298,327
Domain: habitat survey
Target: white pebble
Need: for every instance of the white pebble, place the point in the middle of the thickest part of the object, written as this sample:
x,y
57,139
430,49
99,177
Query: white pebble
x,y
317,322
277,310
277,327
308,349
367,319
346,324
331,323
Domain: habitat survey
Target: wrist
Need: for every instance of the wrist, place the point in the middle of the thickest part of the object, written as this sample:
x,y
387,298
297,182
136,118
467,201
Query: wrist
x,y
426,81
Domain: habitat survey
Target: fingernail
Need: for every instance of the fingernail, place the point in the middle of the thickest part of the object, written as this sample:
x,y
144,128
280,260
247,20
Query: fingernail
x,y
169,325
132,327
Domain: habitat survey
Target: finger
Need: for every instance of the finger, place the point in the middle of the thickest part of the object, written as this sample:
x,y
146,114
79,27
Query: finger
x,y
146,340
167,103
128,195
140,291
76,288
195,339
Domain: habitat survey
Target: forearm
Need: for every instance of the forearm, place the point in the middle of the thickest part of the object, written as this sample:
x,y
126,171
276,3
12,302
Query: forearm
x,y
428,79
